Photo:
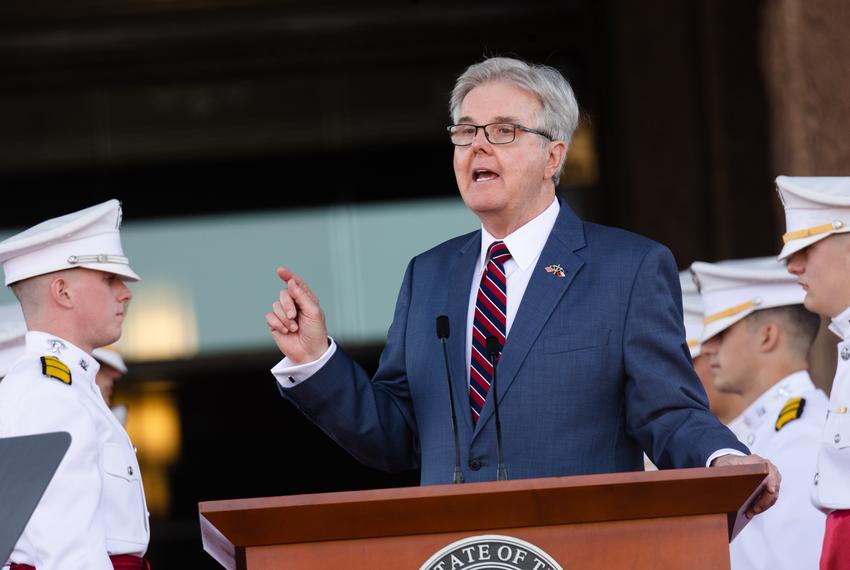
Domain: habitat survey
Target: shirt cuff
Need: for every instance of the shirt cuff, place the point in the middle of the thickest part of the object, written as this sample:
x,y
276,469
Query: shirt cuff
x,y
289,375
725,451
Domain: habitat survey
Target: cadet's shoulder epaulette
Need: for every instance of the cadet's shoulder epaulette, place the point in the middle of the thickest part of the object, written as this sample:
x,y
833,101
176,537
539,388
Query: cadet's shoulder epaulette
x,y
52,367
792,410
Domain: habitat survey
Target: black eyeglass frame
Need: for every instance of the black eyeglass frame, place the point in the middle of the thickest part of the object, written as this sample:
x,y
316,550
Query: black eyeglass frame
x,y
487,135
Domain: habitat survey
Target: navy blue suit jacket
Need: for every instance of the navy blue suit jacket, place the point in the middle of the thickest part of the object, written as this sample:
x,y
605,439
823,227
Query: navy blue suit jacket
x,y
595,369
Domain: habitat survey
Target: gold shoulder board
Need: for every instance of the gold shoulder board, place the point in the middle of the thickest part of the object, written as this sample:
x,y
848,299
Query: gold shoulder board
x,y
792,410
52,367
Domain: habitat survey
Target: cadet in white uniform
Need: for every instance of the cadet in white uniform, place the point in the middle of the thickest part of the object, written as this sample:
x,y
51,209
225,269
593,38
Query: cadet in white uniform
x,y
68,274
725,406
757,335
817,250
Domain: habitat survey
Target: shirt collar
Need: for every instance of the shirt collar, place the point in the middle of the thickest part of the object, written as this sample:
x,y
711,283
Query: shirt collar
x,y
71,355
840,324
525,243
789,387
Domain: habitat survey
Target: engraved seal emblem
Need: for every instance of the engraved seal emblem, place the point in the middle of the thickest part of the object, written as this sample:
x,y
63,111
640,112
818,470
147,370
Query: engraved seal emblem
x,y
491,552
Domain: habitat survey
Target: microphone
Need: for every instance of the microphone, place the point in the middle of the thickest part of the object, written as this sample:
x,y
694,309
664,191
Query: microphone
x,y
443,334
494,349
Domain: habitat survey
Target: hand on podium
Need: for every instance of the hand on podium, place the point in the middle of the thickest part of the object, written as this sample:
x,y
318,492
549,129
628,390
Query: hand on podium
x,y
769,493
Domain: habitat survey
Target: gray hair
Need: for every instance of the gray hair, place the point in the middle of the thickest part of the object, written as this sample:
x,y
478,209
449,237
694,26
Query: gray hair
x,y
559,114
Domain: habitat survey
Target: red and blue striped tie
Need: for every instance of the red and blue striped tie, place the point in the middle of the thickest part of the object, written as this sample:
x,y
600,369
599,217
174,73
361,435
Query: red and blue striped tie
x,y
490,320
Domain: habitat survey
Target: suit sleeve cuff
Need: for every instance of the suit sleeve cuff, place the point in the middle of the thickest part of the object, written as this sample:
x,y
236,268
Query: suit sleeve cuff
x,y
720,452
289,375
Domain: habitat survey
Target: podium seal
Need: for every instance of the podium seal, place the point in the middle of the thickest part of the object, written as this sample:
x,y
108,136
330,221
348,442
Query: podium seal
x,y
491,552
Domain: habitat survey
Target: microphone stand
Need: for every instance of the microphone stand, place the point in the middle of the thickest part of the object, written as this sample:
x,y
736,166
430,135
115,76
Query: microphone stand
x,y
494,349
443,334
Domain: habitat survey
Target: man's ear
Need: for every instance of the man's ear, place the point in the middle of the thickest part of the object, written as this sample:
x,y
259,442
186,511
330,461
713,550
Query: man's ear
x,y
768,337
61,291
557,151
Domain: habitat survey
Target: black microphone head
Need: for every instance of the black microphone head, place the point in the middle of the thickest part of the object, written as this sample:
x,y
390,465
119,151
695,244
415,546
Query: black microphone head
x,y
493,345
442,327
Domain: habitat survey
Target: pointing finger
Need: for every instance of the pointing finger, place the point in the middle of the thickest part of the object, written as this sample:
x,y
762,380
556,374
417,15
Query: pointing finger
x,y
285,274
305,301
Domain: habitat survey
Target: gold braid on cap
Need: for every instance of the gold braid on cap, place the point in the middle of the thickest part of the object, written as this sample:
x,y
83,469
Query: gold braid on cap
x,y
813,231
731,311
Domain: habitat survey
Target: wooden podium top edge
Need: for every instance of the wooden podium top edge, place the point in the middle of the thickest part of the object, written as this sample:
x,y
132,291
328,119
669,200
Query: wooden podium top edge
x,y
498,504
633,478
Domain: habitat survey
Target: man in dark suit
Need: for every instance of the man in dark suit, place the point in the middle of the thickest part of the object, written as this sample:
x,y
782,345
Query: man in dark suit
x,y
593,365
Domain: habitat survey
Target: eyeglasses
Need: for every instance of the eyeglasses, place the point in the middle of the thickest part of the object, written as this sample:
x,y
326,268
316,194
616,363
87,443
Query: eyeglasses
x,y
496,133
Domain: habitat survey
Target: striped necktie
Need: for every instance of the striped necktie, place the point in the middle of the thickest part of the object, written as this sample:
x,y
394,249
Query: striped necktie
x,y
490,320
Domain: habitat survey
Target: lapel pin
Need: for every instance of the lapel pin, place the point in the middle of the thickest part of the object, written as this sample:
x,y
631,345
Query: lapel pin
x,y
555,269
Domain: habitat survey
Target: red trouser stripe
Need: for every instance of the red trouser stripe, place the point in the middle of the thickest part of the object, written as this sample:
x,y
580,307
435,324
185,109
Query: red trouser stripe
x,y
119,562
836,542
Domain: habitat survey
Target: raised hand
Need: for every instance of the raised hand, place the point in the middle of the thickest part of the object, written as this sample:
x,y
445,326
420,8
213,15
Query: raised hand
x,y
296,321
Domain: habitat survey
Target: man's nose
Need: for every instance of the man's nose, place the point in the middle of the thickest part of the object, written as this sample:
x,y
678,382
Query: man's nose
x,y
796,263
709,347
480,139
124,293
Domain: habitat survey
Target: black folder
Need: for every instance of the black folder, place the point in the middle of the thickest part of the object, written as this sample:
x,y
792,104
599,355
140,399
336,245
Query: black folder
x,y
27,465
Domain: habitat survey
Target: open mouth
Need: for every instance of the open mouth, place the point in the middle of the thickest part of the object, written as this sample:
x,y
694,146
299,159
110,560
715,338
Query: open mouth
x,y
483,175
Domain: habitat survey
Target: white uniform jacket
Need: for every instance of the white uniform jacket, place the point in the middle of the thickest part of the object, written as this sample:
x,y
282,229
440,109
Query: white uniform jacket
x,y
95,505
790,534
831,486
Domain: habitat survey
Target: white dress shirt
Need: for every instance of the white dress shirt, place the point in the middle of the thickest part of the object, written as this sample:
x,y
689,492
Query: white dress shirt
x,y
525,244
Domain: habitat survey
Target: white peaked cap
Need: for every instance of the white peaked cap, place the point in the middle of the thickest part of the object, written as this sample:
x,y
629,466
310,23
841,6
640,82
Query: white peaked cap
x,y
110,357
692,307
815,208
88,238
13,331
734,289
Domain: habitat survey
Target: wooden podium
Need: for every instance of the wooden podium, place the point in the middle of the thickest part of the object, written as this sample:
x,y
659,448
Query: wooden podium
x,y
664,519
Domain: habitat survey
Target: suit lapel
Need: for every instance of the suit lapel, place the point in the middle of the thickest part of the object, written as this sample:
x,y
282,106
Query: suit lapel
x,y
458,285
542,295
